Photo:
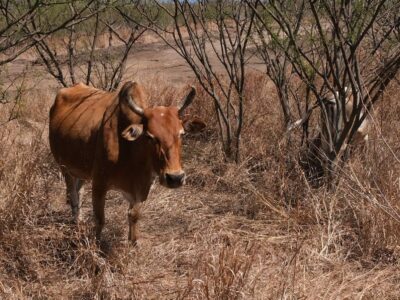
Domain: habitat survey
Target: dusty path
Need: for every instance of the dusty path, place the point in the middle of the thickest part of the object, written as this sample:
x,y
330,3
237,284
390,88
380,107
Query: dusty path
x,y
146,61
159,60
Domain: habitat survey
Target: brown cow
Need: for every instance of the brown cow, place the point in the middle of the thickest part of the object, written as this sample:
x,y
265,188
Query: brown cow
x,y
118,142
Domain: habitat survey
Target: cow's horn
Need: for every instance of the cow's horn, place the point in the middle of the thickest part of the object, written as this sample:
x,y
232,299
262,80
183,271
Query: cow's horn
x,y
136,108
131,103
187,100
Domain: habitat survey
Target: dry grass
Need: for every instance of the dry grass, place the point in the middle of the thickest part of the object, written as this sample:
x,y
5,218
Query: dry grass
x,y
254,230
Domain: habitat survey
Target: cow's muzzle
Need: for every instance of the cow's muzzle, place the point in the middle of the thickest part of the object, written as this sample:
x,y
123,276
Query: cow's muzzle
x,y
174,180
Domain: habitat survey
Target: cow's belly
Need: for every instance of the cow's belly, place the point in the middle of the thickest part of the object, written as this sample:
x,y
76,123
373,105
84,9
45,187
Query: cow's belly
x,y
73,155
73,145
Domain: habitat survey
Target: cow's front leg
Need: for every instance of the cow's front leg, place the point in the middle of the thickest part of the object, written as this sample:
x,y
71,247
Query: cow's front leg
x,y
133,217
98,201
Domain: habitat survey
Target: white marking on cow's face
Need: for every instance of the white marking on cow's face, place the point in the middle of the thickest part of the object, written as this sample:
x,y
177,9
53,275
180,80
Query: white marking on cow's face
x,y
162,115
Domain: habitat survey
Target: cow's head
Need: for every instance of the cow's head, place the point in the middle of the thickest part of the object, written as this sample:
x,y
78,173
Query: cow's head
x,y
163,127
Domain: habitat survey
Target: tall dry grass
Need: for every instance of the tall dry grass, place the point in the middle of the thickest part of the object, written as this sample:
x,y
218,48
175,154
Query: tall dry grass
x,y
254,230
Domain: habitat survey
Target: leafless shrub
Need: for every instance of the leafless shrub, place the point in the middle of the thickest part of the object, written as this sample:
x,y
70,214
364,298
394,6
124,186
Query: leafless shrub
x,y
19,28
344,49
12,90
194,31
84,59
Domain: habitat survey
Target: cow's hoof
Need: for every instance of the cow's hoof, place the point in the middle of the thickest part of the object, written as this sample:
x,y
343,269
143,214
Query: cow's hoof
x,y
133,243
76,220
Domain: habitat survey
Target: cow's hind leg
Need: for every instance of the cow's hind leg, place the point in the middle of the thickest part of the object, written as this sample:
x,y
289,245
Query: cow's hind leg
x,y
98,201
133,217
73,187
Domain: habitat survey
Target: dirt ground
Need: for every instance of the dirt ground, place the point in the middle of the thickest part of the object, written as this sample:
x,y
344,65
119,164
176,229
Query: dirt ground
x,y
250,231
149,58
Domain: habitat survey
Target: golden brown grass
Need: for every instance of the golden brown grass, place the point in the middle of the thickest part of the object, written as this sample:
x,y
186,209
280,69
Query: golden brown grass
x,y
253,230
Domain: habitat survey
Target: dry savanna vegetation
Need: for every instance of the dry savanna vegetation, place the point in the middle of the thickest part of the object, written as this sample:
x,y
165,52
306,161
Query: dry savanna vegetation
x,y
249,223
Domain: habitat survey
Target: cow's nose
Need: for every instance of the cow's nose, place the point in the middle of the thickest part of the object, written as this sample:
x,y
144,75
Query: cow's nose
x,y
175,179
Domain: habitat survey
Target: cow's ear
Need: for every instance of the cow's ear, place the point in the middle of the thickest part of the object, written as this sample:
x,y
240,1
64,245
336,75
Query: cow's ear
x,y
132,132
186,101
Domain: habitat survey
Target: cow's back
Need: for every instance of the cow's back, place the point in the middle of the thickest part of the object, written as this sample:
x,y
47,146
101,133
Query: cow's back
x,y
75,120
